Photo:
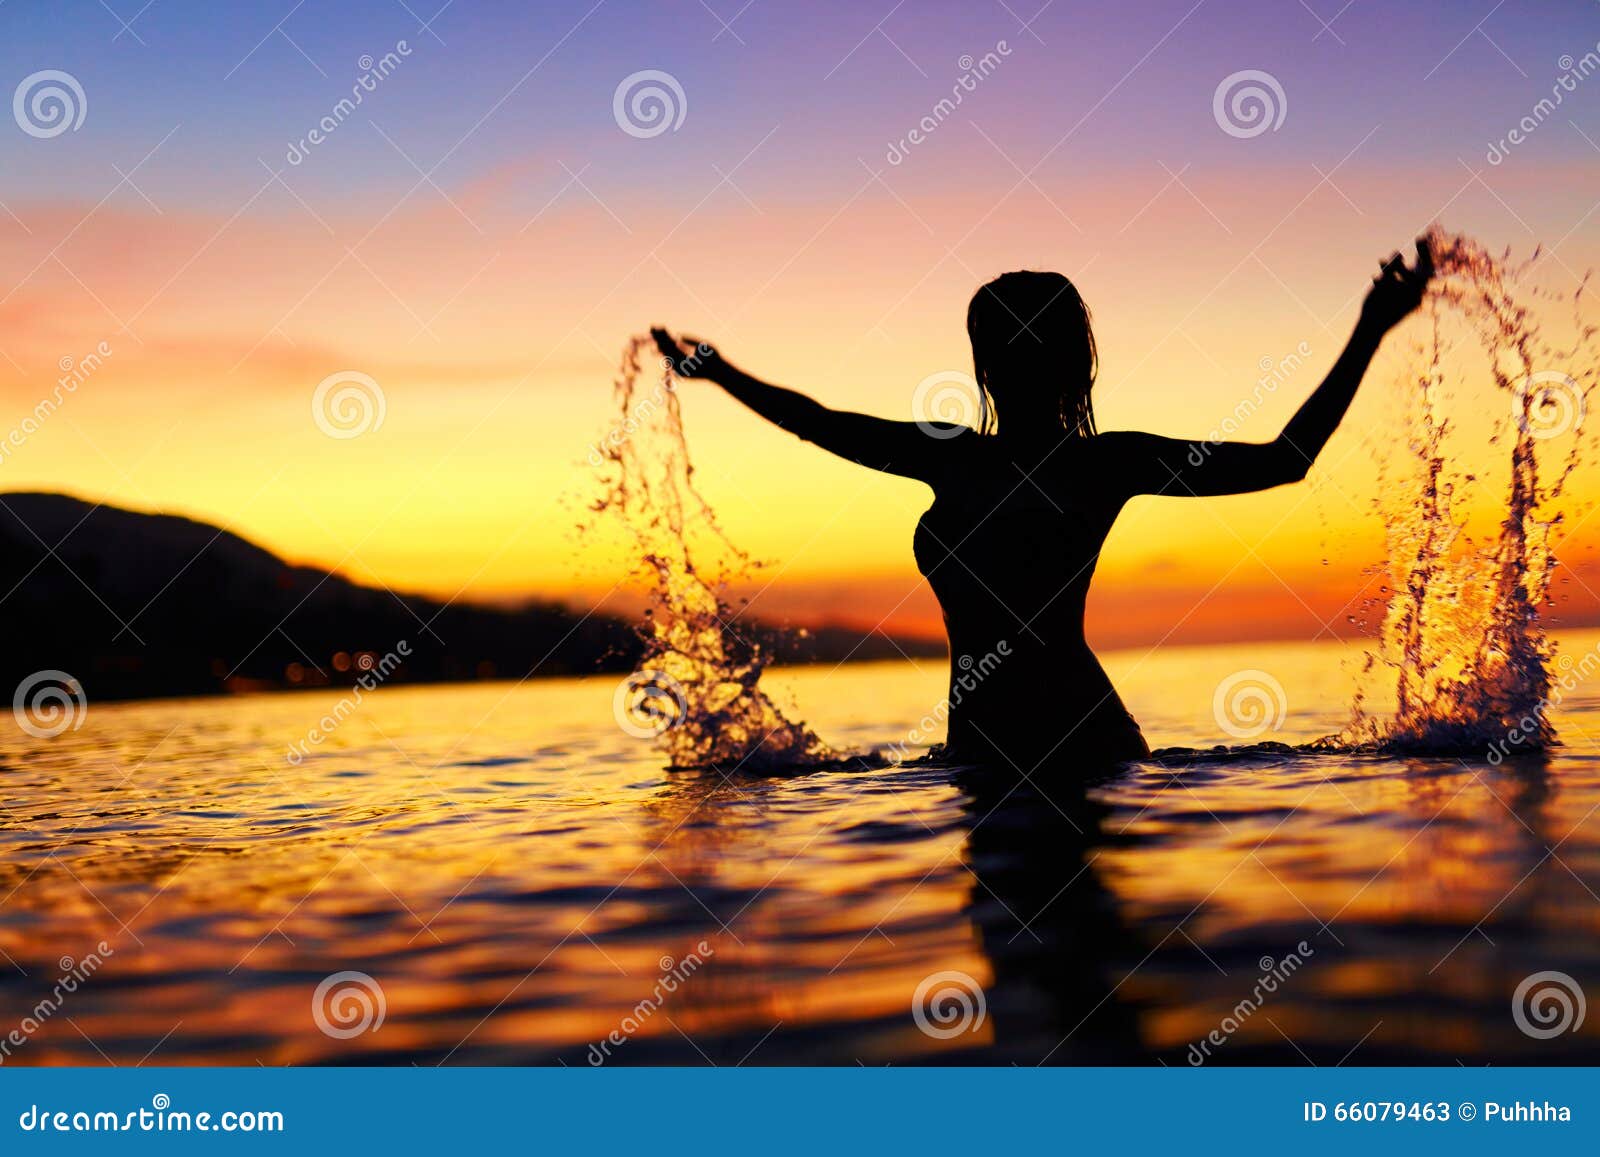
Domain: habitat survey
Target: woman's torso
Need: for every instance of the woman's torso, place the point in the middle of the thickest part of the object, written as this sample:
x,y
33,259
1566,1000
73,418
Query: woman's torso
x,y
1010,550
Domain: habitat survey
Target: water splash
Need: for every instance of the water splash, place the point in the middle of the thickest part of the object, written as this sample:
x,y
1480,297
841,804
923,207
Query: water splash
x,y
1463,638
1463,635
696,685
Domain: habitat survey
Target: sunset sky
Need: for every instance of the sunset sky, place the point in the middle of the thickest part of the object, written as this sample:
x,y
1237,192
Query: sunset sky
x,y
481,237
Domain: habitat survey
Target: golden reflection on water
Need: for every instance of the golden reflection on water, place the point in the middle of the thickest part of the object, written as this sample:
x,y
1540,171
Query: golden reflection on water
x,y
515,874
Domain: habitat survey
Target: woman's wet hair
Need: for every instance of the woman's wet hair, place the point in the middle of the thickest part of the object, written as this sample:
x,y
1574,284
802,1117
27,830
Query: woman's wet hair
x,y
1032,331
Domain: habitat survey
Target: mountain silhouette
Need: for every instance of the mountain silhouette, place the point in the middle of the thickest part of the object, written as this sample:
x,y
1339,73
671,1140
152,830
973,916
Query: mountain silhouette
x,y
134,605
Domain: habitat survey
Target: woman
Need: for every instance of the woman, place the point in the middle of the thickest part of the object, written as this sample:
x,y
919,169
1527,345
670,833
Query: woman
x,y
1023,504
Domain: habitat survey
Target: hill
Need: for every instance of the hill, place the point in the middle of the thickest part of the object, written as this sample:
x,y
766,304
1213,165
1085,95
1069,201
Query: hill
x,y
135,605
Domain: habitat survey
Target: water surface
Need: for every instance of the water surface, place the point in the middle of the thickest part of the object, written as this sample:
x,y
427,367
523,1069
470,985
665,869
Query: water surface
x,y
514,873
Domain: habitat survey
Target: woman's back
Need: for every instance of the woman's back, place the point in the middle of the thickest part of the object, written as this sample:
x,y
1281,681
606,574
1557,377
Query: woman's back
x,y
1018,518
1009,547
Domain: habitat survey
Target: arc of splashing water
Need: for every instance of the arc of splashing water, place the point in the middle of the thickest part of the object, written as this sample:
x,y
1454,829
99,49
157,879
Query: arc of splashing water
x,y
690,636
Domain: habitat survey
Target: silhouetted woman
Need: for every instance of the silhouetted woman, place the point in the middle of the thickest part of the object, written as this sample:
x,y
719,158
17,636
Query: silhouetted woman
x,y
1023,504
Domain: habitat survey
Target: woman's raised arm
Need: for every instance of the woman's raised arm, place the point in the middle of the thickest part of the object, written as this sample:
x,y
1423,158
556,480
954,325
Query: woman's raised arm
x,y
1157,465
902,448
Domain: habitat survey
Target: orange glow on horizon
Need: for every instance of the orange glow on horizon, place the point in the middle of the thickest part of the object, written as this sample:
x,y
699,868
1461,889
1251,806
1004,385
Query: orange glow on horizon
x,y
496,376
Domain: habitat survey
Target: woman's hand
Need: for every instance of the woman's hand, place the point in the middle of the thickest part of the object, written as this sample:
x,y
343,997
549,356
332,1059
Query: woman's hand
x,y
689,357
1397,290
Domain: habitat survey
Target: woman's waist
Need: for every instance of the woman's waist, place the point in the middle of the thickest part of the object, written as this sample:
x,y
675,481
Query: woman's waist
x,y
1027,599
1029,724
1024,674
1056,641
